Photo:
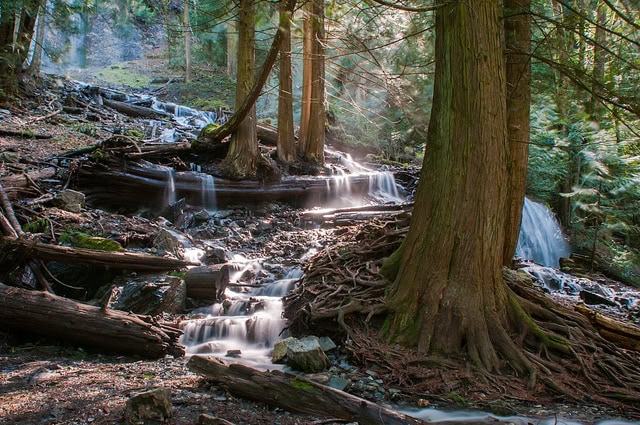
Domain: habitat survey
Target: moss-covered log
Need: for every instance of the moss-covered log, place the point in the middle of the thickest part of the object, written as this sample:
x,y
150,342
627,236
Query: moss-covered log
x,y
295,393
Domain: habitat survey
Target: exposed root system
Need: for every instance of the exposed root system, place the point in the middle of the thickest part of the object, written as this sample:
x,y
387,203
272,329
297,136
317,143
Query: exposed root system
x,y
568,358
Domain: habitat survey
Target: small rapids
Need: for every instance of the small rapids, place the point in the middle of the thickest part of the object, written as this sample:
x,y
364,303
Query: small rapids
x,y
245,326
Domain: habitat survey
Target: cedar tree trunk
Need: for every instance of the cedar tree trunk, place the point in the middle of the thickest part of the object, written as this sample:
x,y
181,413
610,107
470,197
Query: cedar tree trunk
x,y
286,140
449,297
312,121
517,29
241,160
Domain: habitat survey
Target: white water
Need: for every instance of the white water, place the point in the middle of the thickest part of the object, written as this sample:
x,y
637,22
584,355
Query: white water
x,y
438,416
541,239
249,320
170,190
208,192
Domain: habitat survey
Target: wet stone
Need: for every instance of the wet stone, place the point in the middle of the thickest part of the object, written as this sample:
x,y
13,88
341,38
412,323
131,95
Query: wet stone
x,y
338,382
149,407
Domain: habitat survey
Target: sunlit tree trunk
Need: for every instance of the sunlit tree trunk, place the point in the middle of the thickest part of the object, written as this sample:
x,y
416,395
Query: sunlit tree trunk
x,y
448,296
286,141
517,29
242,157
312,124
36,60
187,42
232,48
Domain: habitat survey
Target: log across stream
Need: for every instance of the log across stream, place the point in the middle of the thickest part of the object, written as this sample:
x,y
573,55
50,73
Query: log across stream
x,y
135,185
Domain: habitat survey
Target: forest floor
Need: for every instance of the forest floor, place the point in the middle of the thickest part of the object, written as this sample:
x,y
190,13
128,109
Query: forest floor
x,y
45,383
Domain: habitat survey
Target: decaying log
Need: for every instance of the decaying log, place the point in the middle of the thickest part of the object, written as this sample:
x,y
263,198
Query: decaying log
x,y
24,134
295,393
134,110
16,183
207,282
69,255
624,335
136,185
59,318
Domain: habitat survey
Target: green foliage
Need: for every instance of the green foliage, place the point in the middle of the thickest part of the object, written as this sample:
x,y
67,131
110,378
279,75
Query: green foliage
x,y
79,239
37,226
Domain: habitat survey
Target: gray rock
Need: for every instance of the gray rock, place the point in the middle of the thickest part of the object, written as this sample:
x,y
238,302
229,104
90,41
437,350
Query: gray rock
x,y
280,348
169,241
151,407
327,343
152,295
338,382
69,200
306,355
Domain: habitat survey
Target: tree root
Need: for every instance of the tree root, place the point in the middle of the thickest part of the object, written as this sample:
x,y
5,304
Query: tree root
x,y
556,351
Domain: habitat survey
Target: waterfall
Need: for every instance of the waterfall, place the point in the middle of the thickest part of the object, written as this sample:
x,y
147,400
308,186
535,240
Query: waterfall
x,y
170,191
541,239
208,192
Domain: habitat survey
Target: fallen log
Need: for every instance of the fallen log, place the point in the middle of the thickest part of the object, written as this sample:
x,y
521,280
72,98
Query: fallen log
x,y
134,110
343,216
622,334
24,134
24,248
295,393
17,183
58,318
137,185
207,282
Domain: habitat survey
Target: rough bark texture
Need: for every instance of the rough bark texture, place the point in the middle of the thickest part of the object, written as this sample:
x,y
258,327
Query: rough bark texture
x,y
286,141
296,394
58,318
312,123
449,297
517,25
241,160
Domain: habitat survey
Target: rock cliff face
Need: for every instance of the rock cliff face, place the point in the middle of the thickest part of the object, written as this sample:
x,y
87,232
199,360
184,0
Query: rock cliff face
x,y
100,40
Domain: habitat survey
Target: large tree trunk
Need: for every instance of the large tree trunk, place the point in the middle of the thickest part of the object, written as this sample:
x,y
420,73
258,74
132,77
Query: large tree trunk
x,y
312,124
286,140
58,318
449,297
241,160
517,25
232,48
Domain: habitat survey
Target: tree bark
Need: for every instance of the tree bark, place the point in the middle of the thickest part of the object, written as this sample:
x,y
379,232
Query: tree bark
x,y
133,110
187,42
295,393
286,146
241,160
232,48
449,297
312,125
58,318
517,25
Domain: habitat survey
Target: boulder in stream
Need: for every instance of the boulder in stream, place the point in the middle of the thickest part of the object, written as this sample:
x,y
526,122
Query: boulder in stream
x,y
306,355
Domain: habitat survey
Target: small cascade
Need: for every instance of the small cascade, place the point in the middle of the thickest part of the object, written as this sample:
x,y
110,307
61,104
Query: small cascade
x,y
246,325
208,192
382,184
541,239
170,191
